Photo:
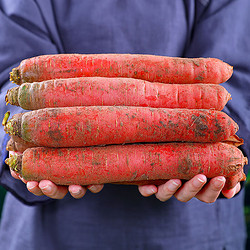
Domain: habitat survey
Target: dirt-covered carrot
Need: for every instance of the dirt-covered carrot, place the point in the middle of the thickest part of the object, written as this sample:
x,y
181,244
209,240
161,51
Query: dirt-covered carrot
x,y
130,164
103,91
147,67
17,144
22,145
100,125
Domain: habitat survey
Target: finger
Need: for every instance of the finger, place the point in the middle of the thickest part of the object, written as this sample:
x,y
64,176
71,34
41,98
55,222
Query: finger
x,y
95,188
238,188
33,187
77,191
14,174
190,188
167,190
52,190
212,190
147,190
230,193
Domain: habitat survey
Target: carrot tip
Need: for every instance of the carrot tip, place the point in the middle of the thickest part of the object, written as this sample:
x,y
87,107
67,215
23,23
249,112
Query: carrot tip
x,y
10,145
12,126
15,76
15,162
8,127
12,96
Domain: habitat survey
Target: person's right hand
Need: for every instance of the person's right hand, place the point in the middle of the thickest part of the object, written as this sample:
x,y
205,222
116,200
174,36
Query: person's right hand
x,y
48,188
197,187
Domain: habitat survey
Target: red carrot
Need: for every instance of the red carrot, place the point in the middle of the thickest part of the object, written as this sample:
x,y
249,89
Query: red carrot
x,y
15,147
17,144
21,141
94,125
102,91
147,67
130,164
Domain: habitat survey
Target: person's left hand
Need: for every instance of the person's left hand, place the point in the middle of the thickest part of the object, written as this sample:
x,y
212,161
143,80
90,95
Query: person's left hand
x,y
197,187
50,189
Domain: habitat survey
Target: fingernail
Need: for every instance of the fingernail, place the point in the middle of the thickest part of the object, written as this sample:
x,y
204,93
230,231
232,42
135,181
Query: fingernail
x,y
198,182
76,191
93,188
219,182
30,186
46,188
173,185
151,191
221,179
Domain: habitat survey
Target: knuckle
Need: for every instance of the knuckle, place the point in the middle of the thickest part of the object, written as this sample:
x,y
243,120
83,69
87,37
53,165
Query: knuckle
x,y
163,197
182,198
37,193
78,195
61,192
56,196
216,189
169,188
94,189
208,198
164,193
193,190
209,201
51,192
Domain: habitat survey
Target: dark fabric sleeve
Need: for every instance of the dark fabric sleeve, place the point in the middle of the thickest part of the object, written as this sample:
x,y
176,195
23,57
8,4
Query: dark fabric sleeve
x,y
25,31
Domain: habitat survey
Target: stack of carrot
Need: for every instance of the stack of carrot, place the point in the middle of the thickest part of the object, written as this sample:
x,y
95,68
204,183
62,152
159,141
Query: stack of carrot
x,y
116,118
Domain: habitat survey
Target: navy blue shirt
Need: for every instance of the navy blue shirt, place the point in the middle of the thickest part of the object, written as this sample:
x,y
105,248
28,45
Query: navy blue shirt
x,y
119,217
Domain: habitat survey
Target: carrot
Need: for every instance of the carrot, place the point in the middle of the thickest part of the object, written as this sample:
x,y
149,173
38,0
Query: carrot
x,y
22,145
102,91
128,164
17,144
146,67
96,125
19,147
10,145
14,146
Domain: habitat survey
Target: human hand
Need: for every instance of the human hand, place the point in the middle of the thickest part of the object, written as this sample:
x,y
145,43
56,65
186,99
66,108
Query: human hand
x,y
193,188
48,188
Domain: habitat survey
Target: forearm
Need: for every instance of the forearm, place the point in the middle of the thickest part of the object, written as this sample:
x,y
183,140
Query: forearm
x,y
23,35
